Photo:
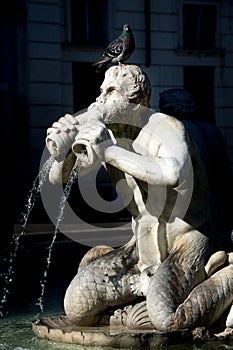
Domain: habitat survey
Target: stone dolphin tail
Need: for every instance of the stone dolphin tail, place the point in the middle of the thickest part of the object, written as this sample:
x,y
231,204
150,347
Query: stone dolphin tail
x,y
179,295
101,283
185,297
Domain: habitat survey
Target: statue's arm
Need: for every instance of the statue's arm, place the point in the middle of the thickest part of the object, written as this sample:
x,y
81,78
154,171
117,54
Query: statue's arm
x,y
160,154
151,169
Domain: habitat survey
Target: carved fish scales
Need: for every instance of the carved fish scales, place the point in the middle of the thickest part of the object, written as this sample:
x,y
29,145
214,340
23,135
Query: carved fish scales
x,y
102,283
208,301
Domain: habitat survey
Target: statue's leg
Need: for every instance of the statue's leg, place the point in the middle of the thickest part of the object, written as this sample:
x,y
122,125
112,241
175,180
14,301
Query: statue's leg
x,y
207,302
176,277
101,283
180,296
151,241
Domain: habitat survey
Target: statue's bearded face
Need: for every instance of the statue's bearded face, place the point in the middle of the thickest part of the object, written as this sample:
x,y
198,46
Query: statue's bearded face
x,y
113,101
111,92
115,97
123,93
123,88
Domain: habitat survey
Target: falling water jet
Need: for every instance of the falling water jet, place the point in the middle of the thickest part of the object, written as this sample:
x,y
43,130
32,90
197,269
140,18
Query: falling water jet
x,y
30,202
72,177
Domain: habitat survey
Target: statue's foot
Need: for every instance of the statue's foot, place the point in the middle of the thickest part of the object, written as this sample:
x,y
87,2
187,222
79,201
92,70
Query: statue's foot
x,y
119,318
139,283
227,333
215,261
134,282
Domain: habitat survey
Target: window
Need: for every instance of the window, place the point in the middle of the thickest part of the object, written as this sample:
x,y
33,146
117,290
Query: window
x,y
199,26
199,81
88,22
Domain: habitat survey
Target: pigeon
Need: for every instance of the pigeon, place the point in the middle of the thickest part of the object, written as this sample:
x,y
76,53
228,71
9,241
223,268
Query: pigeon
x,y
118,51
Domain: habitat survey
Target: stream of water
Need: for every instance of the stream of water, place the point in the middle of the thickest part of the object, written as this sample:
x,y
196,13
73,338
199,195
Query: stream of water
x,y
15,327
35,190
14,245
72,177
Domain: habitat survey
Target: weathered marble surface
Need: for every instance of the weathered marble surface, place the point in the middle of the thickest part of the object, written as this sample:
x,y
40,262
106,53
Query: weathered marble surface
x,y
174,272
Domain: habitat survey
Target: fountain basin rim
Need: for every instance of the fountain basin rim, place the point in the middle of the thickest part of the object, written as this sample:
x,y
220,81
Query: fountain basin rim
x,y
59,329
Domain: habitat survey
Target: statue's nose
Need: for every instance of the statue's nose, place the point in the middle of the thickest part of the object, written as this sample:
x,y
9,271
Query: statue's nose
x,y
101,98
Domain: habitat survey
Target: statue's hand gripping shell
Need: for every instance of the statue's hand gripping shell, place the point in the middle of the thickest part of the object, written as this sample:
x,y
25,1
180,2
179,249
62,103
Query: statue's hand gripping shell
x,y
93,138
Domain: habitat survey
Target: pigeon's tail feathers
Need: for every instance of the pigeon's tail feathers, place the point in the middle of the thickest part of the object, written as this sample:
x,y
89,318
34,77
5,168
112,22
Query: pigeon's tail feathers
x,y
99,68
101,63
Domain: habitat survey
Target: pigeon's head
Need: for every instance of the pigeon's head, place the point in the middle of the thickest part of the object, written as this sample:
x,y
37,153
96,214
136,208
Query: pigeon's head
x,y
126,28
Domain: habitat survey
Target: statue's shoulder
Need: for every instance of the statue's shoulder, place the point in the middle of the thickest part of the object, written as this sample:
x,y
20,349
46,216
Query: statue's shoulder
x,y
163,123
159,117
161,130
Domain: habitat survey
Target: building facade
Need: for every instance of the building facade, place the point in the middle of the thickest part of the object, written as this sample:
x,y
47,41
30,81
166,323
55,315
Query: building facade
x,y
48,47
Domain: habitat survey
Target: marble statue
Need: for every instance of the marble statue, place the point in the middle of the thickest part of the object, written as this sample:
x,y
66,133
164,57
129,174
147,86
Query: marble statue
x,y
175,272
